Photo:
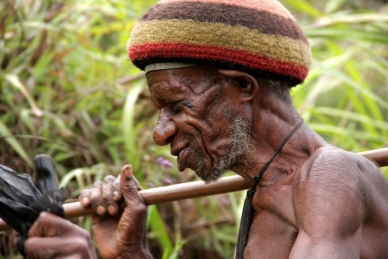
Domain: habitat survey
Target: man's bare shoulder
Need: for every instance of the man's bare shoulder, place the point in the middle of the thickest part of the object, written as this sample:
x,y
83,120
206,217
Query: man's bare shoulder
x,y
339,200
331,163
330,189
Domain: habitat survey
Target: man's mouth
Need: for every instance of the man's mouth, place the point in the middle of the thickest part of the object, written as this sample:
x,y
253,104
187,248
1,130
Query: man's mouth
x,y
176,149
182,157
189,155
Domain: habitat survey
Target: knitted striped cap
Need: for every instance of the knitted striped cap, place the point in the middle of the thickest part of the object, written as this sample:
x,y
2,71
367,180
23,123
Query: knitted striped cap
x,y
256,36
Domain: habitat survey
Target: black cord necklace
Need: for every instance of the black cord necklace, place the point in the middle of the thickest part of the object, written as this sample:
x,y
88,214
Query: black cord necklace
x,y
247,213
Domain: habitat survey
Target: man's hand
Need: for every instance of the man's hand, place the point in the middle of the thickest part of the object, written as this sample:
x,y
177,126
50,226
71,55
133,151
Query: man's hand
x,y
53,237
120,231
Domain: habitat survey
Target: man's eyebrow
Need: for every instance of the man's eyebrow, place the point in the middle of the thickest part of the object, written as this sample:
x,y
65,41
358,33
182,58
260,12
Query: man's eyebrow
x,y
154,84
150,86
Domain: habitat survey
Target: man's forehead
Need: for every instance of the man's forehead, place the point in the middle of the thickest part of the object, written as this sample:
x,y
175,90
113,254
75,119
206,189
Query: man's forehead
x,y
195,79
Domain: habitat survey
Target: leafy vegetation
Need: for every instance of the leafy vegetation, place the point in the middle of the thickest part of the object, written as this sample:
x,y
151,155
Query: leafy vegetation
x,y
68,90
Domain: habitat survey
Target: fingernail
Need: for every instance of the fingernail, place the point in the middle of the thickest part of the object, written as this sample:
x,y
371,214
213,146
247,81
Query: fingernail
x,y
85,201
115,195
128,171
112,210
100,210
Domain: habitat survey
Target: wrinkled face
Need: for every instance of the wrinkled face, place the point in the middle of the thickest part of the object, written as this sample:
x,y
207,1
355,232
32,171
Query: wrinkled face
x,y
199,119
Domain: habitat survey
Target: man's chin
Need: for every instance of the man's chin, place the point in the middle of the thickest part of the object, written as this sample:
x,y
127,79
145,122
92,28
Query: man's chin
x,y
205,176
204,168
209,177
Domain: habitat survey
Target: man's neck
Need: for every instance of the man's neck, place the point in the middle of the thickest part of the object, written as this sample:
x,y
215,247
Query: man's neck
x,y
301,145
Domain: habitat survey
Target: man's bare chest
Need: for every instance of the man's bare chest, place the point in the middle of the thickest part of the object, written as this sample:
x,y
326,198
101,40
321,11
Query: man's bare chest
x,y
273,230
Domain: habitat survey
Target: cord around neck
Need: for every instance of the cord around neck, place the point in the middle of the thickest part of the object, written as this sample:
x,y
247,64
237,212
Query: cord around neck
x,y
258,177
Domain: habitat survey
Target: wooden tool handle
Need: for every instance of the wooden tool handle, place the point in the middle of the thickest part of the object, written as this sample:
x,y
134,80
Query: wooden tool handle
x,y
164,194
173,193
196,189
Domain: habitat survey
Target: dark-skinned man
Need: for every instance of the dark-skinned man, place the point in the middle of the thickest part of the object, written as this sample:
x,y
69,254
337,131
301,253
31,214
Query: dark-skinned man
x,y
220,72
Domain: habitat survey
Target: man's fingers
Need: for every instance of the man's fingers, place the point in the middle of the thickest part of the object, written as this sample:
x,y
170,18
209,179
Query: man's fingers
x,y
57,247
91,197
116,189
84,198
54,237
96,198
49,225
107,189
103,196
36,247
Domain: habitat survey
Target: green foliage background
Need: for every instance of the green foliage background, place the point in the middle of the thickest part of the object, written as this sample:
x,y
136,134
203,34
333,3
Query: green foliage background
x,y
67,89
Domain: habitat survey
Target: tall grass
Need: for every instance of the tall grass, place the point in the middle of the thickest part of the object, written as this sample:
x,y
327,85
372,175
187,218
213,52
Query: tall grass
x,y
68,90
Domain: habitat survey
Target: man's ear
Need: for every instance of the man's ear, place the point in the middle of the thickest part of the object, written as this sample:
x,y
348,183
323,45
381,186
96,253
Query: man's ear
x,y
247,83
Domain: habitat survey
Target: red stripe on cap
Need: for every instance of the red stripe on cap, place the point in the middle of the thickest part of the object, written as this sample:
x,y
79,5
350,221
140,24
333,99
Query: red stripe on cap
x,y
207,52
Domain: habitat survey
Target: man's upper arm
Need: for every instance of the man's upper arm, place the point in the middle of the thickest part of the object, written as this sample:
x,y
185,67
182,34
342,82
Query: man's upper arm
x,y
329,202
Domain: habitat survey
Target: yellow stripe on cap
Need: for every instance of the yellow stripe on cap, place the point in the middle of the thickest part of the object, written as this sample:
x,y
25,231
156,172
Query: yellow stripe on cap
x,y
214,34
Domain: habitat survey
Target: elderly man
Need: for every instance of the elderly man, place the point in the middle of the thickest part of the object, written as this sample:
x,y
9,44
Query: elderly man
x,y
220,72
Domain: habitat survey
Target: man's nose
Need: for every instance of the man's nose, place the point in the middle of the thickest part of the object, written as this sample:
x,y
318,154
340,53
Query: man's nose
x,y
165,128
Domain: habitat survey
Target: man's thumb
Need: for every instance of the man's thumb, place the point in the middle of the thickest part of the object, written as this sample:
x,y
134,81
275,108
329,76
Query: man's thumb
x,y
129,185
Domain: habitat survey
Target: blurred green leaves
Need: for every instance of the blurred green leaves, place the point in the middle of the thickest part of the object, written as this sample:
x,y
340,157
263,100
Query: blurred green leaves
x,y
68,90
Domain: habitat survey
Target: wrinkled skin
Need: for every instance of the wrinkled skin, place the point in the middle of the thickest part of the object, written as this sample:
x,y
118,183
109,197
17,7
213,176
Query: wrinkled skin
x,y
119,233
197,120
314,201
53,237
